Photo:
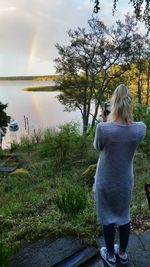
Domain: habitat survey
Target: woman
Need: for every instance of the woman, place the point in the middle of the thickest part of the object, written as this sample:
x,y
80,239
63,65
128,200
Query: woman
x,y
117,139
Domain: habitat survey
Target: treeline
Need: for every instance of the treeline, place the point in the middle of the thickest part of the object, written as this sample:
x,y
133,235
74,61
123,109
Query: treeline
x,y
137,78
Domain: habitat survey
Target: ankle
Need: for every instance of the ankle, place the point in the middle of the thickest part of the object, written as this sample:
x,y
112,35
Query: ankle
x,y
122,251
111,254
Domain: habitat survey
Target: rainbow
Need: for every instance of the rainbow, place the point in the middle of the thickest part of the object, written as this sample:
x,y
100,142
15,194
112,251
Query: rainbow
x,y
34,96
36,104
32,50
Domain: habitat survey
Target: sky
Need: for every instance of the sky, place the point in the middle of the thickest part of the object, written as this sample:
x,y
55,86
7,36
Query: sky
x,y
29,30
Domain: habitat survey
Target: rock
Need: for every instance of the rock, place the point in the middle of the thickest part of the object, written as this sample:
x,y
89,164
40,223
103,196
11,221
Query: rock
x,y
19,171
89,173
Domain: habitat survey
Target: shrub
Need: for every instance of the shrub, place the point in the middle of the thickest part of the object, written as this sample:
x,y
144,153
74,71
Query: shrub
x,y
142,114
71,199
64,144
1,153
26,144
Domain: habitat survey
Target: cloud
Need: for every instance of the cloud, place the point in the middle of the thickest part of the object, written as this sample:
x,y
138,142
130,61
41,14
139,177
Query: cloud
x,y
29,29
6,9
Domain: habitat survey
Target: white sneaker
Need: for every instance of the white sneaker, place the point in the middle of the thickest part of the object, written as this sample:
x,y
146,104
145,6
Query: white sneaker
x,y
105,256
123,258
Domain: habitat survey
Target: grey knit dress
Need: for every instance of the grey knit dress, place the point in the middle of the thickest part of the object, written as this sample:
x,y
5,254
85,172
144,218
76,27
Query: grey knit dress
x,y
114,178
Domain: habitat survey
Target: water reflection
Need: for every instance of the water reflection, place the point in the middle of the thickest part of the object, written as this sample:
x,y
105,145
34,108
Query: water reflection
x,y
42,108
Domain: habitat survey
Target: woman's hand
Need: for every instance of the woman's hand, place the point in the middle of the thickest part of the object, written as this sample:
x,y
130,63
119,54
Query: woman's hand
x,y
104,116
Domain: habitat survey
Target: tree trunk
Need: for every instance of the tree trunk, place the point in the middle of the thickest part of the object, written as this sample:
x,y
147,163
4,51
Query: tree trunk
x,y
85,125
94,118
139,88
148,85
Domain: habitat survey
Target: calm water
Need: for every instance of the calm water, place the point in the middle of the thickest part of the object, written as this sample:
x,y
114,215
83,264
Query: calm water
x,y
42,108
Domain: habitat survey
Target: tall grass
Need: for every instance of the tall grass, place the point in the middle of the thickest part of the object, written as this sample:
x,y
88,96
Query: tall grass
x,y
71,198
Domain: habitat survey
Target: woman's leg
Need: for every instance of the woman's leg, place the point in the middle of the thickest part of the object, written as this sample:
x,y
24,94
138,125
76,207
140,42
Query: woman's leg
x,y
124,232
109,237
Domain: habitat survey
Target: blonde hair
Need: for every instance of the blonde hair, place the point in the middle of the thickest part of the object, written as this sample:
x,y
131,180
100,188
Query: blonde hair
x,y
121,104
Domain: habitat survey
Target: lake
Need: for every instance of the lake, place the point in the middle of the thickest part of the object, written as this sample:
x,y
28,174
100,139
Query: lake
x,y
42,108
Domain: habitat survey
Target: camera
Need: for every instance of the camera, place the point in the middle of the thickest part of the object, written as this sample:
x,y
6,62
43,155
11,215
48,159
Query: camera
x,y
107,108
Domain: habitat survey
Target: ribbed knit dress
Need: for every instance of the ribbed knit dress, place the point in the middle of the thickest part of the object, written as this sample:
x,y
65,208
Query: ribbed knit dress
x,y
114,178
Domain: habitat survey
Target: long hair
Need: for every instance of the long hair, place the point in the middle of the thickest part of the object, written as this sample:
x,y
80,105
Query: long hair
x,y
121,104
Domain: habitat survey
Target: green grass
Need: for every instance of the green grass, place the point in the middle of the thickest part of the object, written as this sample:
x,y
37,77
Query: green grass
x,y
28,206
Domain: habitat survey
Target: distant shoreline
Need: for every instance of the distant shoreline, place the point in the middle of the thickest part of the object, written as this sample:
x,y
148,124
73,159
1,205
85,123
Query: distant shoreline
x,y
32,78
41,88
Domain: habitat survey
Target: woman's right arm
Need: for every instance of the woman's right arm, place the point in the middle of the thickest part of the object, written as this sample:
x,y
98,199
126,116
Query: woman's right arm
x,y
98,140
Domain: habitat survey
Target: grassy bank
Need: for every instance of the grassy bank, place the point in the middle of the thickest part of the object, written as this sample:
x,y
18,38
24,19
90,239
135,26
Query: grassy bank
x,y
32,203
41,88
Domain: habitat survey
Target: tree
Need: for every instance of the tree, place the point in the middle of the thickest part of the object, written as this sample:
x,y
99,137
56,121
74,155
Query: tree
x,y
140,73
92,60
139,52
147,55
141,10
4,118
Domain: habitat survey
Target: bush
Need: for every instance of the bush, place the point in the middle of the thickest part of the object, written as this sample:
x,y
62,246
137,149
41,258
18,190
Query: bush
x,y
71,199
1,153
64,144
26,144
142,114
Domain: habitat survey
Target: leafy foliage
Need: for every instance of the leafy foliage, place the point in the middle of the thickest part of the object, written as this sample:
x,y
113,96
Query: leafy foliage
x,y
93,59
141,9
63,144
4,118
141,113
